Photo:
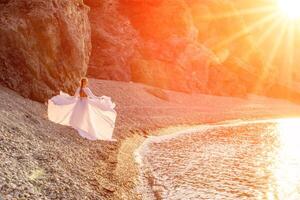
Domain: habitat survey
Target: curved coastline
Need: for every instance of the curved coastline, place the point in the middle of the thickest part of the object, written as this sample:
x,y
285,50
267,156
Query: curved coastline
x,y
147,187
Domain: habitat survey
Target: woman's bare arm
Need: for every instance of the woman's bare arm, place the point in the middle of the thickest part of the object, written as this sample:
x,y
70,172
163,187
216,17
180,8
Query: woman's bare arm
x,y
77,93
90,93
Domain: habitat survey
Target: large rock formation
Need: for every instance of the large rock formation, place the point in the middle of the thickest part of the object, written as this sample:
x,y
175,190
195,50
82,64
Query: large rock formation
x,y
44,45
114,41
174,44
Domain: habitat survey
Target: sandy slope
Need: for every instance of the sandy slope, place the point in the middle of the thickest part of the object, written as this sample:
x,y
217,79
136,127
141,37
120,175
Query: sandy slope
x,y
42,160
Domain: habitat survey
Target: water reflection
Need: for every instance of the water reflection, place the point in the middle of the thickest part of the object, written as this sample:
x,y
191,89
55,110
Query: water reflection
x,y
256,160
287,164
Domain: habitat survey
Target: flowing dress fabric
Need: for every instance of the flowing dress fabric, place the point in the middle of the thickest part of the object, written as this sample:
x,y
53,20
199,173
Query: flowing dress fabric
x,y
93,117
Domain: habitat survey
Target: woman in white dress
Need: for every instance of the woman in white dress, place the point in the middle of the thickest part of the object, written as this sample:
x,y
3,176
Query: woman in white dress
x,y
93,117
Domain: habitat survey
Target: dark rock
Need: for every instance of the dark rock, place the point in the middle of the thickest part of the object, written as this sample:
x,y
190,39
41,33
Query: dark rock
x,y
44,46
114,41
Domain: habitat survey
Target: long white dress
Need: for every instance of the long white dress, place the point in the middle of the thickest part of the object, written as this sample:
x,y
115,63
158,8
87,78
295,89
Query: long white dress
x,y
93,117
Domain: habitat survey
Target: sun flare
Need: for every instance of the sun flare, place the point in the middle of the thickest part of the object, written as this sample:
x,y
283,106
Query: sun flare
x,y
290,8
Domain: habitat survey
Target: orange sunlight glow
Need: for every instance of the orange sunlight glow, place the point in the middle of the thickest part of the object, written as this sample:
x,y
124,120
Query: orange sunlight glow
x,y
275,29
290,8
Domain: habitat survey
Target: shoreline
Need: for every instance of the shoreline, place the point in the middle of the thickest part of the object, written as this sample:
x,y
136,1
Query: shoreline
x,y
147,184
68,166
142,181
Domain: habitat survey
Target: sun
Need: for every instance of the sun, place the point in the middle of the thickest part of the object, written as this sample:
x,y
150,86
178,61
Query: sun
x,y
290,8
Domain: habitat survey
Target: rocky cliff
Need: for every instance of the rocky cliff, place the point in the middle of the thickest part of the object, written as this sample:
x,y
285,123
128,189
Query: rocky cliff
x,y
114,41
177,44
44,45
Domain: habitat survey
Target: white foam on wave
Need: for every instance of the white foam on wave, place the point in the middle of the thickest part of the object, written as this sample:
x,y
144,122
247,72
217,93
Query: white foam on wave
x,y
145,169
144,188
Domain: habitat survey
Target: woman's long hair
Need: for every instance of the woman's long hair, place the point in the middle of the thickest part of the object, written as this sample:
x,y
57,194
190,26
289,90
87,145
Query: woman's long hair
x,y
81,92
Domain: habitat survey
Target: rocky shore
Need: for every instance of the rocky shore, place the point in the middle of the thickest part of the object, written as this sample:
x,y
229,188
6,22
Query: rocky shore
x,y
43,160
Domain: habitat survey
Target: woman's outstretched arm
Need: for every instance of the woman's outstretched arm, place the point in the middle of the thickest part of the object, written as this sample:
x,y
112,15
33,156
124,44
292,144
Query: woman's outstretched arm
x,y
77,93
90,93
